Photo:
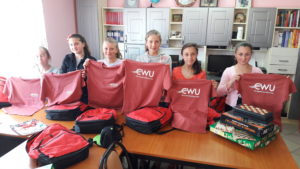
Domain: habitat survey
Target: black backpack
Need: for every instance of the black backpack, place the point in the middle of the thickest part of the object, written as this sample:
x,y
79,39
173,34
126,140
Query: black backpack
x,y
108,135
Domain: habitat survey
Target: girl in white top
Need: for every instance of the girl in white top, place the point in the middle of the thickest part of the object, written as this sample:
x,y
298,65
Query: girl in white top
x,y
43,66
111,53
152,54
243,53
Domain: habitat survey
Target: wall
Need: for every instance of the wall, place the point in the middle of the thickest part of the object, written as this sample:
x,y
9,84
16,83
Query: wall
x,y
60,21
221,3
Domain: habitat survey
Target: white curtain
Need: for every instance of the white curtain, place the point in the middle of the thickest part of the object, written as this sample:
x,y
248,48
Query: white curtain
x,y
22,30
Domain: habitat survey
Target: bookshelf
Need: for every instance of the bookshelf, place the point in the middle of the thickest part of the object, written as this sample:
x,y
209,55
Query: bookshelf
x,y
175,33
287,28
240,23
113,23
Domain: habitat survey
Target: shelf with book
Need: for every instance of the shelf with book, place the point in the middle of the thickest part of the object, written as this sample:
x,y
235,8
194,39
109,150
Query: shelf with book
x,y
239,29
287,28
113,23
175,37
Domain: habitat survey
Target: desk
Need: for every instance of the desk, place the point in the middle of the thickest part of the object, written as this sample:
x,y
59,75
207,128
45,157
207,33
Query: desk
x,y
207,149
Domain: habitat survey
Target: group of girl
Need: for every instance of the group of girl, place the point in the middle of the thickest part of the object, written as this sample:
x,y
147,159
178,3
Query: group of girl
x,y
188,69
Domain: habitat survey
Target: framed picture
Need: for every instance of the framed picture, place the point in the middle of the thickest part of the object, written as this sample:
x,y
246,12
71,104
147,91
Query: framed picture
x,y
208,3
177,18
243,3
131,3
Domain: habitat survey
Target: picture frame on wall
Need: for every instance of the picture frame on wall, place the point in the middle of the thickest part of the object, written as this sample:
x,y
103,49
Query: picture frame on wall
x,y
131,3
208,3
243,3
177,18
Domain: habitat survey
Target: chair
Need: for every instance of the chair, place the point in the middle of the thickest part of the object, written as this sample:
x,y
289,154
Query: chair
x,y
111,159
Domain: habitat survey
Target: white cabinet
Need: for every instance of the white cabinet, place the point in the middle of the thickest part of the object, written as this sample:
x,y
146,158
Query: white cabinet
x,y
219,28
194,25
158,19
135,25
132,51
282,60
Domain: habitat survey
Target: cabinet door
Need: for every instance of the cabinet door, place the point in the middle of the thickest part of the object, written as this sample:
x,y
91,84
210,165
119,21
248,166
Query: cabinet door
x,y
135,25
158,19
261,26
219,28
194,25
133,51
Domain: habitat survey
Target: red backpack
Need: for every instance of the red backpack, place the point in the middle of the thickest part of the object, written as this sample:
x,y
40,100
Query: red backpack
x,y
93,121
59,146
148,119
3,98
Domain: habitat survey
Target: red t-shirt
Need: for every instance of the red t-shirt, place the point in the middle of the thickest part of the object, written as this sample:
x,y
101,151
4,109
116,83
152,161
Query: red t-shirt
x,y
189,103
61,88
144,84
177,74
268,91
105,85
24,95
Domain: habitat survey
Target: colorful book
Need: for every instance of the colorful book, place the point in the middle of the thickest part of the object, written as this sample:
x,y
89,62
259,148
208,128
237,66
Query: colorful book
x,y
28,127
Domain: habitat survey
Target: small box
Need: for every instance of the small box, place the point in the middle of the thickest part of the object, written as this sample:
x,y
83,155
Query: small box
x,y
251,127
241,137
253,113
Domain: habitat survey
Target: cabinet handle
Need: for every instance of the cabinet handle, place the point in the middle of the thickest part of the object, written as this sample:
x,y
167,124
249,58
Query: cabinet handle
x,y
283,70
285,61
125,38
182,40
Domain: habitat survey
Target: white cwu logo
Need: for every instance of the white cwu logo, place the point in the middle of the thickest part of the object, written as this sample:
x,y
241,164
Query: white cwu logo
x,y
263,87
144,73
188,91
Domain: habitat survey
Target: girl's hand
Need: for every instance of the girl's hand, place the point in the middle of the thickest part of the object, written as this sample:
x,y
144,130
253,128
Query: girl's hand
x,y
83,73
231,82
215,84
86,63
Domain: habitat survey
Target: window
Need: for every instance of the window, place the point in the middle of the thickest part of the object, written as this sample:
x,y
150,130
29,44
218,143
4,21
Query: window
x,y
22,30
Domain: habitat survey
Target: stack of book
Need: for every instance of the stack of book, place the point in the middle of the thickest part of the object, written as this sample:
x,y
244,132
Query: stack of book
x,y
118,35
287,39
247,125
114,18
288,18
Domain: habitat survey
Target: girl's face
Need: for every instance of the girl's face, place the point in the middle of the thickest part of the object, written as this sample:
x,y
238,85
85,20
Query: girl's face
x,y
76,46
43,57
243,55
153,44
110,50
189,56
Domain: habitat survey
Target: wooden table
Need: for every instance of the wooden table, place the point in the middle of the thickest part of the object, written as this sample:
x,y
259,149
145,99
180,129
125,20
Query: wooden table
x,y
176,146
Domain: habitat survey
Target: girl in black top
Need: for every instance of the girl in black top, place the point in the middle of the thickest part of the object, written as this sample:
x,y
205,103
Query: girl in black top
x,y
80,52
74,61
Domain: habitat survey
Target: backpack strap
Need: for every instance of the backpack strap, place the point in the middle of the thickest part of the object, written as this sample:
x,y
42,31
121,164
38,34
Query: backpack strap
x,y
111,148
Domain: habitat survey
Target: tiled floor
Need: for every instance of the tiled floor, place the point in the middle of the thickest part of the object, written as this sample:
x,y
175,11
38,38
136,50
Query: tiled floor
x,y
291,135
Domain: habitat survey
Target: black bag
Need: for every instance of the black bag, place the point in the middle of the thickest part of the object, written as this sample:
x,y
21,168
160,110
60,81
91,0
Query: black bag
x,y
109,135
110,159
93,121
66,112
